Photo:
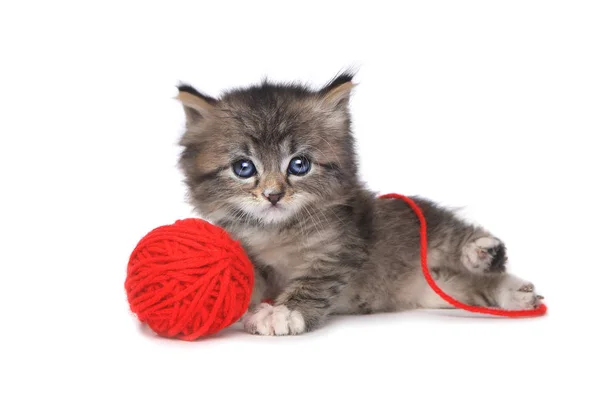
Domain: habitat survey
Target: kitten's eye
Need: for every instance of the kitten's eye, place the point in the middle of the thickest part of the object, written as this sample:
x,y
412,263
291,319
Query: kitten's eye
x,y
244,168
299,166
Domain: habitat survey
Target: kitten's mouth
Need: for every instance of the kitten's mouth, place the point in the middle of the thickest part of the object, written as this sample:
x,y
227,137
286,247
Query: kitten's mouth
x,y
274,213
269,213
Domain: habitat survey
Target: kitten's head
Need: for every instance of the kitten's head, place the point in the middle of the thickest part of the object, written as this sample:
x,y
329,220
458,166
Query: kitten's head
x,y
263,154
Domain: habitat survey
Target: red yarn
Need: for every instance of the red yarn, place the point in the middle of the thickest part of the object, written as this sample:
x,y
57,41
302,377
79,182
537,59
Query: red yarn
x,y
188,279
541,310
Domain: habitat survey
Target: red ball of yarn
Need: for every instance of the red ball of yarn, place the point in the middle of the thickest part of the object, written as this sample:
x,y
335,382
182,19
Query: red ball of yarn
x,y
188,279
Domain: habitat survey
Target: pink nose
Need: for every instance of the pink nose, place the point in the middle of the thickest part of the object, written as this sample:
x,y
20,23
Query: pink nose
x,y
273,197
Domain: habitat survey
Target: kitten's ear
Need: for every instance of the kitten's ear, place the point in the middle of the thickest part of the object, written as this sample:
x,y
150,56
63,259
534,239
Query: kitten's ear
x,y
195,104
336,93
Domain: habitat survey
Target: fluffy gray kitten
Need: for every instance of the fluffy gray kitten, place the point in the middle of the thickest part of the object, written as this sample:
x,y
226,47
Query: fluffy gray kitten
x,y
275,165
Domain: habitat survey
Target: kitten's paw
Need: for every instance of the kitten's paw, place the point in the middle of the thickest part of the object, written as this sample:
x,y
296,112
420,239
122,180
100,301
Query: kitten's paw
x,y
516,294
273,320
486,254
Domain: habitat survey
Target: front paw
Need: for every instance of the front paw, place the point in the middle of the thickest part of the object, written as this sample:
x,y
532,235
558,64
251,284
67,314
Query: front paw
x,y
486,254
516,294
273,320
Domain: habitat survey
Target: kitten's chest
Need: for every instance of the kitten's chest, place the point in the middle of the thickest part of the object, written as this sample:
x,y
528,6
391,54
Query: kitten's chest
x,y
290,253
284,253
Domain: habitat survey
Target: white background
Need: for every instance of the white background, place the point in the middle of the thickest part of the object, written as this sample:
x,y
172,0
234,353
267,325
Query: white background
x,y
490,106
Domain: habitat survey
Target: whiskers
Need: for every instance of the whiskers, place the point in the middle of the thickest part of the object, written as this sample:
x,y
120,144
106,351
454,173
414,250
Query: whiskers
x,y
315,219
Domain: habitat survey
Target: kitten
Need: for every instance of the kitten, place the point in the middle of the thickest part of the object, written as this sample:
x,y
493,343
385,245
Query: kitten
x,y
275,165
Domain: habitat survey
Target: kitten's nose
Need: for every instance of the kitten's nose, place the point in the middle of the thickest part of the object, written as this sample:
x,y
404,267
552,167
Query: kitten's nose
x,y
273,197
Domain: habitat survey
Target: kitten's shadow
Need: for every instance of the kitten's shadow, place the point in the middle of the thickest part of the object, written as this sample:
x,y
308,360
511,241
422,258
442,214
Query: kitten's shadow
x,y
424,314
231,331
456,313
336,321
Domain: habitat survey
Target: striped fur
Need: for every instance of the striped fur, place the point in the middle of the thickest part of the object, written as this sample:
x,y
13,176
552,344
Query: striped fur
x,y
329,245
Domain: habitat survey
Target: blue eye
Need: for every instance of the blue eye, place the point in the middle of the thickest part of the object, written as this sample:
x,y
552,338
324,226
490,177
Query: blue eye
x,y
244,168
299,166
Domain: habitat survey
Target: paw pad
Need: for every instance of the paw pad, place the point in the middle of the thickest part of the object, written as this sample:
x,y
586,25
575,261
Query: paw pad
x,y
526,288
486,254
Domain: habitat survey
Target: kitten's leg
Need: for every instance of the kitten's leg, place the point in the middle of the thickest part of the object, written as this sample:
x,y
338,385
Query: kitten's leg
x,y
494,290
260,287
303,304
486,283
259,290
456,244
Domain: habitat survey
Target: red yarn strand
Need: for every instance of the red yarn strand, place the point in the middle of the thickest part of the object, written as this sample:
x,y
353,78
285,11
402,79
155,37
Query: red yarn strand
x,y
217,307
539,311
